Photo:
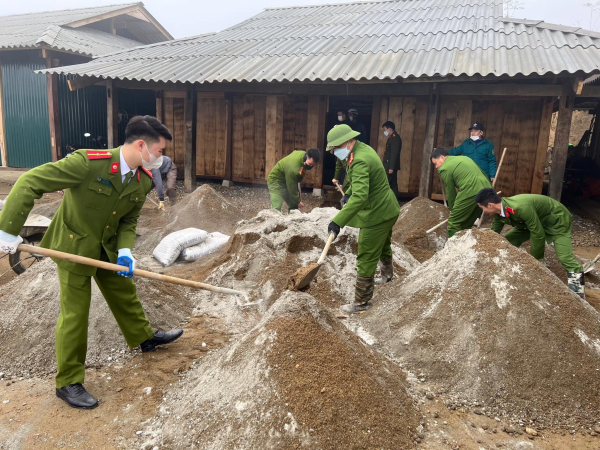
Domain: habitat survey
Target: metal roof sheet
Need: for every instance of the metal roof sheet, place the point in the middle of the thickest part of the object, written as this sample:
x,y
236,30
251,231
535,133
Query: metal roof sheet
x,y
51,28
361,41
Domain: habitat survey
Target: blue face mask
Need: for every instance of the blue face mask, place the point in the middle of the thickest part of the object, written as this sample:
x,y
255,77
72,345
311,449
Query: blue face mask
x,y
385,133
341,153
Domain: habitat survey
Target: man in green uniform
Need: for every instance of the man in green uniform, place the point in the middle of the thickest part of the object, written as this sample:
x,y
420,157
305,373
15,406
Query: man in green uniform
x,y
538,219
104,193
288,172
460,172
370,206
391,157
479,149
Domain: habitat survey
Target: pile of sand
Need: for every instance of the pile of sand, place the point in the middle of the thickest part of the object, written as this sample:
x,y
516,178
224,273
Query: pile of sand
x,y
489,327
267,249
416,217
299,379
30,306
204,208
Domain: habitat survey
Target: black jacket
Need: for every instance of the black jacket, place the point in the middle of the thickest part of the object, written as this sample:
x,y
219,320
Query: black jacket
x,y
391,157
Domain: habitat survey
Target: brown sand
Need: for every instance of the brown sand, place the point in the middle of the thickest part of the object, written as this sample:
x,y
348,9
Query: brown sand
x,y
299,276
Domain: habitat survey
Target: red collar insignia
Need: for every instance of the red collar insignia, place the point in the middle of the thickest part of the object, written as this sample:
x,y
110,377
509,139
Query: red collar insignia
x,y
508,211
351,159
114,167
301,171
146,171
138,176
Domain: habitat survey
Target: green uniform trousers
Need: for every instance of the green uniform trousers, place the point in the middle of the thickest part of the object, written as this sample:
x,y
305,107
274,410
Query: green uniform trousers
x,y
72,327
464,214
562,246
374,244
278,196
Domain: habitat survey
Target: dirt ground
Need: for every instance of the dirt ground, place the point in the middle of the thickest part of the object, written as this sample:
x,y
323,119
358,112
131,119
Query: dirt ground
x,y
131,391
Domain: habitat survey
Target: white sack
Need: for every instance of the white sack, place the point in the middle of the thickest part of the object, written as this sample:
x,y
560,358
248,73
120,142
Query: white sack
x,y
171,246
212,243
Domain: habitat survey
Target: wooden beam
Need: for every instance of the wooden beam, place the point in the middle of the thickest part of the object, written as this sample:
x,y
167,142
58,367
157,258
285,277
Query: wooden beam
x,y
53,110
595,143
112,109
501,90
590,91
578,85
159,106
229,136
537,181
81,82
433,110
98,18
189,167
561,141
3,151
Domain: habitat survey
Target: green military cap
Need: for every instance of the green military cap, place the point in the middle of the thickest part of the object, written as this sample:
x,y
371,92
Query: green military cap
x,y
338,135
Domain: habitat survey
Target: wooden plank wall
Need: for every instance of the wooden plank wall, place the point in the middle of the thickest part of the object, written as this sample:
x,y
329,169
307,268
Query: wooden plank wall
x,y
522,126
173,116
211,136
268,127
409,114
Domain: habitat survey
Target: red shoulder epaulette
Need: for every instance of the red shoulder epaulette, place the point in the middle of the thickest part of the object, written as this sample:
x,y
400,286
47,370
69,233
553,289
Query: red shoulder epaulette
x,y
509,211
146,171
97,154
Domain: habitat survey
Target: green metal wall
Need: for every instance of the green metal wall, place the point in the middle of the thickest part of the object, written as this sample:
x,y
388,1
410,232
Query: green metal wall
x,y
25,101
134,102
81,111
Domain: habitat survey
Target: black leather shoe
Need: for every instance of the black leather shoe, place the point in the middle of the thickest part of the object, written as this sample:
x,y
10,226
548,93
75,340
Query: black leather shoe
x,y
160,338
77,397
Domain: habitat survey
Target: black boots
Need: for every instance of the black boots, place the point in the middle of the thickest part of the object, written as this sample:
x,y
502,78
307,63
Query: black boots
x,y
362,294
77,397
160,338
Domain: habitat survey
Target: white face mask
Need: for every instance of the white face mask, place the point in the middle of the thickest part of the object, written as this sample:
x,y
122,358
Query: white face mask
x,y
154,163
341,153
475,138
340,118
385,133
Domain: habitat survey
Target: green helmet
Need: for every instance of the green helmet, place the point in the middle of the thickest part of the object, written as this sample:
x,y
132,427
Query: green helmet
x,y
340,134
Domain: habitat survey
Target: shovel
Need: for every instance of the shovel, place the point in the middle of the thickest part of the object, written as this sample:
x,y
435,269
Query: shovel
x,y
590,265
141,273
431,230
304,276
337,185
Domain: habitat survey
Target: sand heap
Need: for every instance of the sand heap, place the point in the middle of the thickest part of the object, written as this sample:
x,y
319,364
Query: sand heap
x,y
416,217
267,249
299,379
30,306
489,326
204,208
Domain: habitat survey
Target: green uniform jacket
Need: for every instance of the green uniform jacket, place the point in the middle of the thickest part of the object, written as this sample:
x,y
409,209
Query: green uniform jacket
x,y
371,199
462,173
544,217
97,210
340,168
391,157
483,154
286,175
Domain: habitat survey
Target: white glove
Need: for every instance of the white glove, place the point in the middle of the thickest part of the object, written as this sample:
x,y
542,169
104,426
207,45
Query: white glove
x,y
9,242
125,258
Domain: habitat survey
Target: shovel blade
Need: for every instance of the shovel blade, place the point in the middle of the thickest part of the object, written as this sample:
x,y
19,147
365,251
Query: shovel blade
x,y
303,277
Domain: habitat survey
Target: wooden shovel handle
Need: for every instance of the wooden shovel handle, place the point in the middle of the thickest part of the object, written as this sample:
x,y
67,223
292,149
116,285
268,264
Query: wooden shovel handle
x,y
494,183
326,249
339,187
116,268
442,223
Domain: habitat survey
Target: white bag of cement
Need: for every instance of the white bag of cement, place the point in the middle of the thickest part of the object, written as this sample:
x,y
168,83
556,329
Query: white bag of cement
x,y
212,243
1,204
171,246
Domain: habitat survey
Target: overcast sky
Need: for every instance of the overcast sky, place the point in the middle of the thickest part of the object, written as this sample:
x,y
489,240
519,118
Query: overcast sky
x,y
190,17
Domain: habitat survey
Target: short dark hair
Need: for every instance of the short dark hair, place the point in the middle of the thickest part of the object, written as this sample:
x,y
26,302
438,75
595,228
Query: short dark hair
x,y
487,195
341,111
437,152
315,154
147,128
389,124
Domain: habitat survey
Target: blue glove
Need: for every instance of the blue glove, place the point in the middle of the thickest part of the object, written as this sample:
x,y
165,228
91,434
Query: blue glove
x,y
125,258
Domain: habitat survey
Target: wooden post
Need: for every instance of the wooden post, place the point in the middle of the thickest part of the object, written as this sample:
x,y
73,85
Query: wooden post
x,y
53,108
228,135
112,109
3,151
159,107
561,141
595,143
189,167
433,108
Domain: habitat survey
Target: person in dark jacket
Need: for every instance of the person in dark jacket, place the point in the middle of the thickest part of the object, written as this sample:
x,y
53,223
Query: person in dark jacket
x,y
391,157
479,149
357,126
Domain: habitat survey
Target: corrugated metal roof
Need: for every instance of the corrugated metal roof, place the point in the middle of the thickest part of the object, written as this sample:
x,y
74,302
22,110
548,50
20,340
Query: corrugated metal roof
x,y
362,40
51,28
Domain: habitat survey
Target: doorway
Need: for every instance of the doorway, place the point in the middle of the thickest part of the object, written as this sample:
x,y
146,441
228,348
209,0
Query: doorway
x,y
364,106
